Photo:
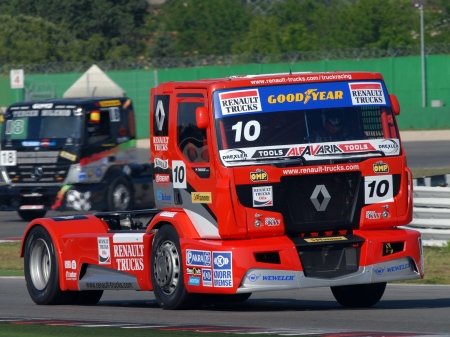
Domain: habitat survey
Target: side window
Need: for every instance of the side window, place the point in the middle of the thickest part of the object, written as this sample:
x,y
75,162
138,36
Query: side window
x,y
192,141
98,128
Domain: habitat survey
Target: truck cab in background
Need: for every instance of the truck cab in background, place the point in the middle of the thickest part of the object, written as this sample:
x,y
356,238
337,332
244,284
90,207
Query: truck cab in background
x,y
71,154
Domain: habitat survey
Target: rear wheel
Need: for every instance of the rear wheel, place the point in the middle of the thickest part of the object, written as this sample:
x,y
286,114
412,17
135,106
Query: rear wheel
x,y
41,269
120,195
167,272
359,295
30,215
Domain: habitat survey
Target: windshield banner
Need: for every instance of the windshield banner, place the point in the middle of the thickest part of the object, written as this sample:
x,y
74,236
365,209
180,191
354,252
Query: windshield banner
x,y
299,97
311,152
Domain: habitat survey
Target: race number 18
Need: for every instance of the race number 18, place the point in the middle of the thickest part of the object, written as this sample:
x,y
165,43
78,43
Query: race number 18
x,y
8,158
378,189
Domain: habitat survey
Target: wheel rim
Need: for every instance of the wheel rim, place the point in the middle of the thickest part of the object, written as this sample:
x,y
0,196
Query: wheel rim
x,y
40,264
167,267
121,198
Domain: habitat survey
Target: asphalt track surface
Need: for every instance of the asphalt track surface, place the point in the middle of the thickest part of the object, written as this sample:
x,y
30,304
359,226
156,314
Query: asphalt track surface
x,y
405,310
412,309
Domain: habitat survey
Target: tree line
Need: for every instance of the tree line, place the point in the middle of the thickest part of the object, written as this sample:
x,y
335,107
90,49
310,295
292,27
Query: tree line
x,y
44,31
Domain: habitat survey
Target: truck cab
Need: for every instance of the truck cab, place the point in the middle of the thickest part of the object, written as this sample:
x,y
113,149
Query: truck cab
x,y
62,154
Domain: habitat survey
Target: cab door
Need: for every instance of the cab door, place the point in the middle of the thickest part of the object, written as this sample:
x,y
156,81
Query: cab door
x,y
193,176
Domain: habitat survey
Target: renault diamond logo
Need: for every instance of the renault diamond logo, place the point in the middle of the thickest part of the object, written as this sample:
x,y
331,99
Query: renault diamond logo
x,y
326,198
37,173
159,115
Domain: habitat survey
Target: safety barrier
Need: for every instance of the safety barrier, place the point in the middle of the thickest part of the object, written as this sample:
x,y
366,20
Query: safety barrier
x,y
431,214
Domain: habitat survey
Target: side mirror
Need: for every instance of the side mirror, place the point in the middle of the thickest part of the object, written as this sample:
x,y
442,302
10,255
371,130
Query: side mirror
x,y
395,104
202,117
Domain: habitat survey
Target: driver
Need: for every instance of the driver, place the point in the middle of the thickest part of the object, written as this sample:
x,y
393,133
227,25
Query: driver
x,y
332,129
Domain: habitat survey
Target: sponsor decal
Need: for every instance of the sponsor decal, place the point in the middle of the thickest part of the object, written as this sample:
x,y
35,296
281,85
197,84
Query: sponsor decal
x,y
356,147
71,276
160,196
202,172
398,268
308,95
59,112
98,172
223,273
194,281
388,146
168,214
162,178
234,156
74,264
259,175
129,256
161,143
67,155
109,285
193,271
45,142
379,270
372,215
104,253
201,197
380,167
164,164
270,153
364,93
82,176
90,173
109,103
278,278
29,113
272,222
233,102
198,258
67,264
262,196
253,277
207,277
326,239
42,106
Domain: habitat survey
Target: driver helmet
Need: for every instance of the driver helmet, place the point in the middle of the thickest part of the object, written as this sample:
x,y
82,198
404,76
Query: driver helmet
x,y
333,119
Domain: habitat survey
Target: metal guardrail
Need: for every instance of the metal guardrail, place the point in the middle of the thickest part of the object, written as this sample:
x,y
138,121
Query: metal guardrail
x,y
431,213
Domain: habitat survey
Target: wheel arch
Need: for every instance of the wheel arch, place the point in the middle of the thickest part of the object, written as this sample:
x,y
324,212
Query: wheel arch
x,y
180,221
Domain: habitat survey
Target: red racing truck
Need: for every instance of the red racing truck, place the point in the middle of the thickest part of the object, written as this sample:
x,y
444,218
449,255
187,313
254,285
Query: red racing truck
x,y
265,182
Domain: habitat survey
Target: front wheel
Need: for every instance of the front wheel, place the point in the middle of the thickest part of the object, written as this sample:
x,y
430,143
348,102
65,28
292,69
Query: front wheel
x,y
30,215
41,269
120,195
359,295
167,272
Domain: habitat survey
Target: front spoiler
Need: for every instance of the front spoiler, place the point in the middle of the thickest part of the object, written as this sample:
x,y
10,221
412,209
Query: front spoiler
x,y
268,279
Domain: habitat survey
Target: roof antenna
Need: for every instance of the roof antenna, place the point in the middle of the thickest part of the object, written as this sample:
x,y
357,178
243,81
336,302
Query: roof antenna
x,y
290,70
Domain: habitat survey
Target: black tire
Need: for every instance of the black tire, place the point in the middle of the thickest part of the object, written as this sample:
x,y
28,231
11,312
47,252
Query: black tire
x,y
232,298
41,269
88,297
359,295
30,215
167,272
120,195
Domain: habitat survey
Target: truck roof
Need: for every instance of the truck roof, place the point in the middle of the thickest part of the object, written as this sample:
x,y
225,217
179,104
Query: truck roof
x,y
275,79
69,101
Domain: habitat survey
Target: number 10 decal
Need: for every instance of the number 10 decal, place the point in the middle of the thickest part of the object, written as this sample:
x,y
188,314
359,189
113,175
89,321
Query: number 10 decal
x,y
178,174
378,189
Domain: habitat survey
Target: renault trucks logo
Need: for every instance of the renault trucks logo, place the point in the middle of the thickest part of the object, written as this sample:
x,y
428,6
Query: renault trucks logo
x,y
241,101
364,93
320,206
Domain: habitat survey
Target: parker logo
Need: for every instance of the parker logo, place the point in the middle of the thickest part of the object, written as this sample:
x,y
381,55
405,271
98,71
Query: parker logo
x,y
380,167
259,175
201,197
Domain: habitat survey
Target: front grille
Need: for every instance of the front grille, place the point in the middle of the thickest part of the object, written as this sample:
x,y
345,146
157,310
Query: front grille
x,y
37,167
328,198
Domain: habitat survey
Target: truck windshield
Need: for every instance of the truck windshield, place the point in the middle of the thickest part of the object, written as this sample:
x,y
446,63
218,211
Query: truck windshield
x,y
29,125
338,119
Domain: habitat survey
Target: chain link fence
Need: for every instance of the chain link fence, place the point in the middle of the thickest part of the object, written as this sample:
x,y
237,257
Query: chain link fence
x,y
227,60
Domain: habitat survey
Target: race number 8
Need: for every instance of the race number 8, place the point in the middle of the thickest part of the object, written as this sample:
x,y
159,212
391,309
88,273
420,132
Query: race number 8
x,y
8,158
378,189
178,174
